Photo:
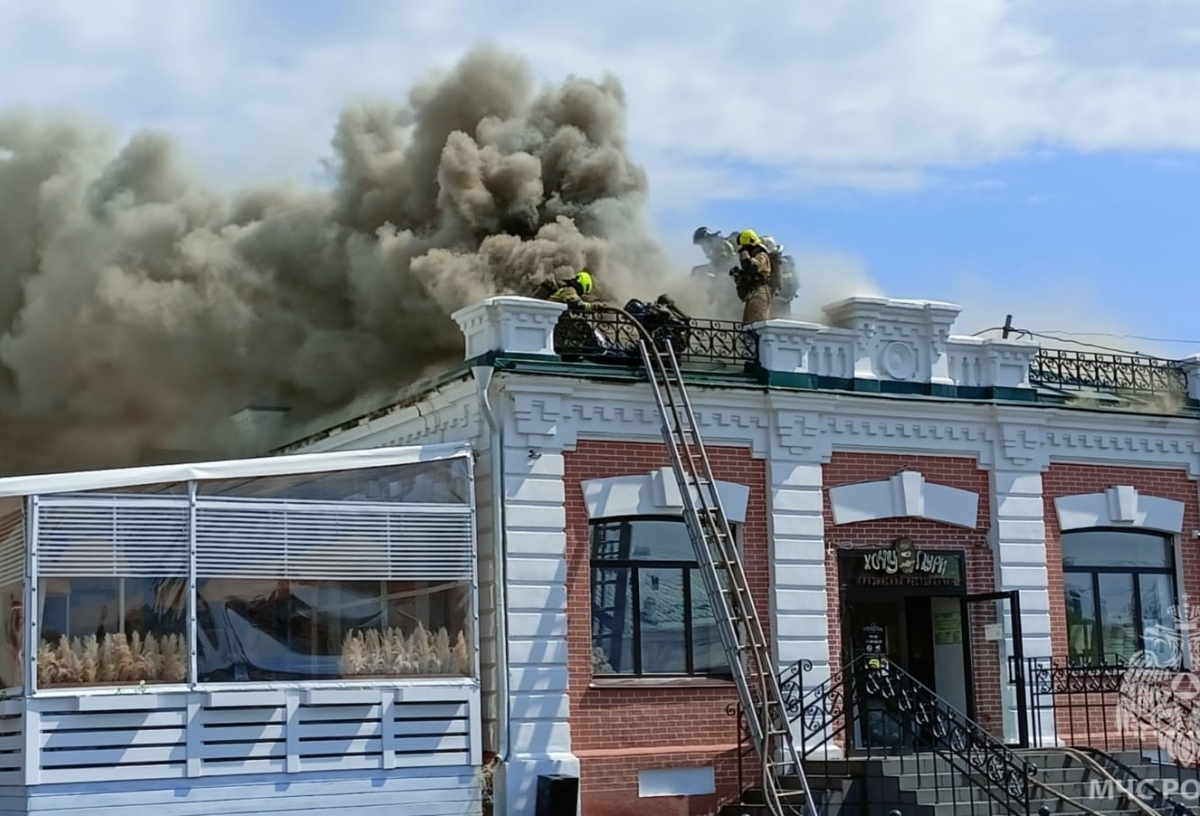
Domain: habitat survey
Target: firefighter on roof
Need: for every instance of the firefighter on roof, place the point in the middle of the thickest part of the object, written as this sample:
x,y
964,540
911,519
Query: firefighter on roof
x,y
573,292
753,277
718,250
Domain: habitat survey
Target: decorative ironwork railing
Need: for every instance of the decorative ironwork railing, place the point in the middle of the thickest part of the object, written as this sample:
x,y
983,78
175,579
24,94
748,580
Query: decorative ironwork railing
x,y
1139,722
1079,370
1136,785
883,713
612,337
876,709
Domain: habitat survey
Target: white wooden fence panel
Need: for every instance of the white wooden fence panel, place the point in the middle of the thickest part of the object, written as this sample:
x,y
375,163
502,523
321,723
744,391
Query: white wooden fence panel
x,y
12,746
107,740
430,792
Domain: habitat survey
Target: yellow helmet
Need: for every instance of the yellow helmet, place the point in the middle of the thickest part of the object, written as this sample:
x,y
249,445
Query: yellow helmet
x,y
748,238
584,279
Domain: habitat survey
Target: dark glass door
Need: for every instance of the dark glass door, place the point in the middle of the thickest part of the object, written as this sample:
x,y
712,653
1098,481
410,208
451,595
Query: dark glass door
x,y
875,629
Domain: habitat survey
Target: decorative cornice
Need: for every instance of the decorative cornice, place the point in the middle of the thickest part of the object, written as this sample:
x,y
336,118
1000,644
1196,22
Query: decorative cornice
x,y
551,413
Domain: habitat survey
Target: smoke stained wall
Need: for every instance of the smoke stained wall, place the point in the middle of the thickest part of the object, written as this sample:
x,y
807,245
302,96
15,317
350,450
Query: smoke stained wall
x,y
138,310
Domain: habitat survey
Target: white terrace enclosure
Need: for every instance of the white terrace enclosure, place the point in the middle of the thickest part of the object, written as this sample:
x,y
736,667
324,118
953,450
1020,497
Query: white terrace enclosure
x,y
290,635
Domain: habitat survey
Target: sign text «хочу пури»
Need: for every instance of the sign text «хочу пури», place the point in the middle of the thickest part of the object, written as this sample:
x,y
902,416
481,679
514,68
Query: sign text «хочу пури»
x,y
890,562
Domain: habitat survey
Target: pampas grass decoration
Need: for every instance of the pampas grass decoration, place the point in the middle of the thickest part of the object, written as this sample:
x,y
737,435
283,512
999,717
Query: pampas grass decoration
x,y
374,643
401,663
421,649
91,659
125,666
354,655
441,651
150,660
70,669
174,658
47,665
108,662
462,656
113,659
389,653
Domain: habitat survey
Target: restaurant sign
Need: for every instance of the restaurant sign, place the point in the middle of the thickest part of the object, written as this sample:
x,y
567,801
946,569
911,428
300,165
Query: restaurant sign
x,y
903,565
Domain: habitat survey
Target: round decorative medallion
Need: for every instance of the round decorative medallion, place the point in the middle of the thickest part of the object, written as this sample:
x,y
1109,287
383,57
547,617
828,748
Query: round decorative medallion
x,y
899,361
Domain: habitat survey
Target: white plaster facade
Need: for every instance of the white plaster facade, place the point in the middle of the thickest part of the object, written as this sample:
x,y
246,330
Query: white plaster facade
x,y
796,431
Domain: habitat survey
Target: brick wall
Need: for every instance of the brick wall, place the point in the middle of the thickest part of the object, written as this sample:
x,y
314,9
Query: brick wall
x,y
618,731
962,473
1090,718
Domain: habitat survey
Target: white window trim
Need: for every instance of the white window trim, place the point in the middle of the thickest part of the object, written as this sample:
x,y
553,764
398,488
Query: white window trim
x,y
654,494
1122,507
1119,506
905,494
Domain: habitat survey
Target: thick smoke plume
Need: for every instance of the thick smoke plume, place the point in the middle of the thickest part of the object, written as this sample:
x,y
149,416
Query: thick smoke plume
x,y
139,310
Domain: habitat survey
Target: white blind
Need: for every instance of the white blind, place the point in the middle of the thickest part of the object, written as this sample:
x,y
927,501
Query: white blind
x,y
12,548
129,535
257,538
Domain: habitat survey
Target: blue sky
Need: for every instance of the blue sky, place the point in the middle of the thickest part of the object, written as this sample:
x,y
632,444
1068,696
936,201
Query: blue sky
x,y
1039,157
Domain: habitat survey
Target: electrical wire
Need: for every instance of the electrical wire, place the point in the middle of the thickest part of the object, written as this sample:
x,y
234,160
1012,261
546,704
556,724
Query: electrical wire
x,y
1053,334
1126,337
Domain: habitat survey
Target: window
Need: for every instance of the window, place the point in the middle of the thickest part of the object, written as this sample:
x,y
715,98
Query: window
x,y
349,574
275,629
12,594
1119,587
650,610
108,630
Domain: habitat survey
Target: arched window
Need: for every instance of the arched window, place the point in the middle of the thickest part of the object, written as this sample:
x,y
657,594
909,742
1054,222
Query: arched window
x,y
1119,587
650,611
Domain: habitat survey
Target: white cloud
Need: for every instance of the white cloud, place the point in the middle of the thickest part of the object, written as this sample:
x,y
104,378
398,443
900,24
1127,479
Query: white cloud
x,y
850,93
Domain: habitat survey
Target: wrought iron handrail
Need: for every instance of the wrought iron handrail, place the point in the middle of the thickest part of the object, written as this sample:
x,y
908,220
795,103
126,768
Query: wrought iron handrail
x,y
1050,676
611,336
1078,370
837,709
791,685
1136,786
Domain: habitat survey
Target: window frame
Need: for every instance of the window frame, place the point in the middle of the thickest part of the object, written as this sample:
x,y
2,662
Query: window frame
x,y
1094,572
633,566
123,558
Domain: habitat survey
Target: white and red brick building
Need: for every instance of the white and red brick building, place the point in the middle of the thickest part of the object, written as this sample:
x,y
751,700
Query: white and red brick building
x,y
832,444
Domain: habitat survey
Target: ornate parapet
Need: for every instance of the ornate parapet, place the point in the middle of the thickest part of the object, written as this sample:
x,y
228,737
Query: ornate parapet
x,y
886,340
976,362
513,325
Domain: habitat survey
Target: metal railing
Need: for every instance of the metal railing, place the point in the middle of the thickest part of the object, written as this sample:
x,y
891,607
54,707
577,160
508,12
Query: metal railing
x,y
887,742
876,709
1079,370
1141,723
1145,790
611,337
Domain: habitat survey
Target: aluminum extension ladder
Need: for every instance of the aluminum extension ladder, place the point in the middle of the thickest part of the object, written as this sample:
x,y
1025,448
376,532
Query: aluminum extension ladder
x,y
725,580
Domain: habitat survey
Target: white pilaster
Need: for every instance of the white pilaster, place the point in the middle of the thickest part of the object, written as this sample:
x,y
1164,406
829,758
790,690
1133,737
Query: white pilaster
x,y
799,600
1018,538
540,729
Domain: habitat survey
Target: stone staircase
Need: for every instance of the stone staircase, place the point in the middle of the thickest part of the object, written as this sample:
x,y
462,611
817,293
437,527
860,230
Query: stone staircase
x,y
927,785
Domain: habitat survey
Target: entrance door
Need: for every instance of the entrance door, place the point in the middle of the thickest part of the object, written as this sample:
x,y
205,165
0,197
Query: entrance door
x,y
900,629
983,618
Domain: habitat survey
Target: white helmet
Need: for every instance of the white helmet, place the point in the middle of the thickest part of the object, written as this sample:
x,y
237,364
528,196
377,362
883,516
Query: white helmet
x,y
771,244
